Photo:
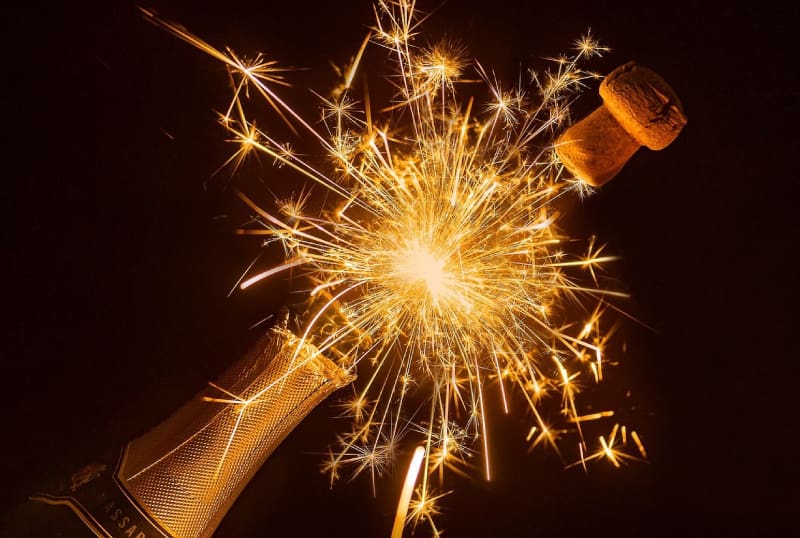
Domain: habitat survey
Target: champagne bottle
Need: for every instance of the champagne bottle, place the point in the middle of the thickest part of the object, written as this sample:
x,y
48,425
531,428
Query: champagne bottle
x,y
181,477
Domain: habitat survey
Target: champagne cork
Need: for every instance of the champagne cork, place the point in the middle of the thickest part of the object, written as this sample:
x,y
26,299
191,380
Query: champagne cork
x,y
639,109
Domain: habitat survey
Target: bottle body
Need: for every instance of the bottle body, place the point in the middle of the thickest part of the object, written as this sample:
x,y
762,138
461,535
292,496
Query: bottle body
x,y
181,477
98,499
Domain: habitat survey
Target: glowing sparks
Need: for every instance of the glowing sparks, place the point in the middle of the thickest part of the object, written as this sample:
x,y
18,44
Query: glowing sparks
x,y
418,266
436,270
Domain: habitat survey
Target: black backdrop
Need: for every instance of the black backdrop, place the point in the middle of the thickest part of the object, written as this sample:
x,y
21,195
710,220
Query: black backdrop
x,y
119,253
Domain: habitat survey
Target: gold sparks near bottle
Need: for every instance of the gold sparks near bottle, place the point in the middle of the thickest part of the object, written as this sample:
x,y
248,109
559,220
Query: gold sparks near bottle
x,y
181,477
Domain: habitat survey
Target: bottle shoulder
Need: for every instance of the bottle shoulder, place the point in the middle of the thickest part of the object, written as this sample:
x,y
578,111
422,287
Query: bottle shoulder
x,y
93,499
33,519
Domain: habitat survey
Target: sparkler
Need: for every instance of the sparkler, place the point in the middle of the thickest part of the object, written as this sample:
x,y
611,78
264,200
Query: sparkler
x,y
436,267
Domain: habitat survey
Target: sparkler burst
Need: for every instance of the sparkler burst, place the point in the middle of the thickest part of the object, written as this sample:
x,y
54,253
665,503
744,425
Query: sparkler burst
x,y
436,266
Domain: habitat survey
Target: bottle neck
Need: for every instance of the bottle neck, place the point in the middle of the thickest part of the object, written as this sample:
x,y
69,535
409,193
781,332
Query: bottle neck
x,y
186,472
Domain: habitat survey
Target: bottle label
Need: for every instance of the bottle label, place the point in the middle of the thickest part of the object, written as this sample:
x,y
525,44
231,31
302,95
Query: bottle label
x,y
98,497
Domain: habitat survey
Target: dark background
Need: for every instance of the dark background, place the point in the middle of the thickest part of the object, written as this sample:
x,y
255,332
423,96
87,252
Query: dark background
x,y
119,254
